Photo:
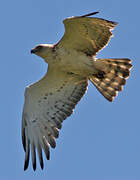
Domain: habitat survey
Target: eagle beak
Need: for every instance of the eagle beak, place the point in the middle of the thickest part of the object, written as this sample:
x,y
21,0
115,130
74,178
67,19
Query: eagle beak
x,y
32,51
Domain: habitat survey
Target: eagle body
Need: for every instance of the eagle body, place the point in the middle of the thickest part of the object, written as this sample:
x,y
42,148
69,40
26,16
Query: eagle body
x,y
71,61
71,64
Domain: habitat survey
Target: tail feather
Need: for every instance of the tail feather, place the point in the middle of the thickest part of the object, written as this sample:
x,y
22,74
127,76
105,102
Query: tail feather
x,y
111,76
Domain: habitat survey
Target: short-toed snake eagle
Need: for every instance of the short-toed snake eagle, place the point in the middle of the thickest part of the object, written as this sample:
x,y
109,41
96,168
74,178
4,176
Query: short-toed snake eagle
x,y
71,63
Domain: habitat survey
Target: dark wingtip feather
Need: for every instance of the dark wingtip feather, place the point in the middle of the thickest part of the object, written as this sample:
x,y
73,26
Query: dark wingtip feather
x,y
89,14
26,164
42,165
48,156
33,156
27,155
113,22
24,124
24,140
40,156
34,166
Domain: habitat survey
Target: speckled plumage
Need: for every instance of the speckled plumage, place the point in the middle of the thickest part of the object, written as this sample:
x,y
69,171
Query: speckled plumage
x,y
71,63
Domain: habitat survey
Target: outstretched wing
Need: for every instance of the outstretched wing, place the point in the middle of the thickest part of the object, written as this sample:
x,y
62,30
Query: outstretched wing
x,y
86,34
47,103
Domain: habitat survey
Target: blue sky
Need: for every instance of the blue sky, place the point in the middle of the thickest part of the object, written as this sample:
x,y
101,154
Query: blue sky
x,y
101,140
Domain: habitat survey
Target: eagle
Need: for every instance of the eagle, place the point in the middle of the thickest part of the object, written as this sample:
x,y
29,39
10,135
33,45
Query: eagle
x,y
72,63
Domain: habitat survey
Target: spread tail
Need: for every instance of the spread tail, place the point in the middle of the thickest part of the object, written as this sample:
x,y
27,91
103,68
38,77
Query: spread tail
x,y
111,76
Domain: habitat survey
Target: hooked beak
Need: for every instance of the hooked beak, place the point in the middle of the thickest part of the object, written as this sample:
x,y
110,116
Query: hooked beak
x,y
33,51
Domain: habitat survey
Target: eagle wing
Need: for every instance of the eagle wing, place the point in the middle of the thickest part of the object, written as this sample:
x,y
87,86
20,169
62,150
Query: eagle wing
x,y
47,103
86,34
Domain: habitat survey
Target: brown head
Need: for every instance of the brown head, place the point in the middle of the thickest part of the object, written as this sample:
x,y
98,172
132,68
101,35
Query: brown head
x,y
42,50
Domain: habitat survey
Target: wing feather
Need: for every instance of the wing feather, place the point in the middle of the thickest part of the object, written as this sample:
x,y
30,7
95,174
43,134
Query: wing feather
x,y
33,155
27,155
86,34
43,117
39,150
46,147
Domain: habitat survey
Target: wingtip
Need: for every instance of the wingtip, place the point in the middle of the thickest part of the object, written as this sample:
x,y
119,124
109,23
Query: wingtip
x,y
27,157
26,165
34,167
93,13
85,15
42,166
89,14
115,23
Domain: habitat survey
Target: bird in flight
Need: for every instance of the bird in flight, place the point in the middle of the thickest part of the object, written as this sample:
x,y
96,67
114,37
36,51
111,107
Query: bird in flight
x,y
72,63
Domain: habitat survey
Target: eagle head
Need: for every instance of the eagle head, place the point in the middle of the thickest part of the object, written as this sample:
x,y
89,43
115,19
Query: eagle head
x,y
42,50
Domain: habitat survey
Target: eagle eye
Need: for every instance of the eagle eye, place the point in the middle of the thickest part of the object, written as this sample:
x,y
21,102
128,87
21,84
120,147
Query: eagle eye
x,y
38,48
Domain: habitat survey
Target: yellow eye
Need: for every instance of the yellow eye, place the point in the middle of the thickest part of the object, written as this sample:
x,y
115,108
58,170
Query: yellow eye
x,y
38,48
